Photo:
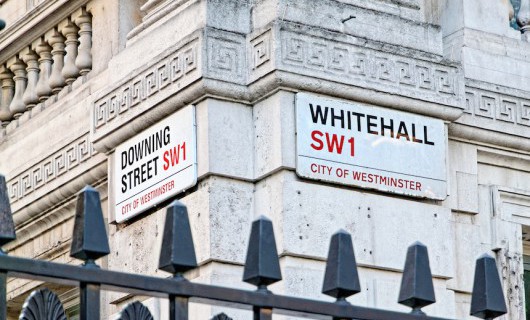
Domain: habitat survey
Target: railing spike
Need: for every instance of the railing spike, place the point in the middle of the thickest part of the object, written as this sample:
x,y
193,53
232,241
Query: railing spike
x,y
341,279
177,254
487,300
417,290
89,240
262,266
7,227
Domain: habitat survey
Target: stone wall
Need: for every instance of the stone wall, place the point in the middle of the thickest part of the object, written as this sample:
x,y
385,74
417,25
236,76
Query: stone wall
x,y
241,63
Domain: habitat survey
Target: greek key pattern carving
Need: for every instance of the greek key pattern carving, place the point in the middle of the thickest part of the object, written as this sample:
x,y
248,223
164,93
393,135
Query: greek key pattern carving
x,y
497,106
173,69
260,50
50,168
226,58
350,63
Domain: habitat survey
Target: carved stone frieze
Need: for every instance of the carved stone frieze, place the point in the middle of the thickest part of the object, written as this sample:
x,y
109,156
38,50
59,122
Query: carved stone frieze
x,y
50,168
226,56
497,107
170,73
494,114
358,65
248,67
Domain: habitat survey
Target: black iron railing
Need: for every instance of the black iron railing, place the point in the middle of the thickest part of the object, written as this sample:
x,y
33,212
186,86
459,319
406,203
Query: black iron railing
x,y
90,242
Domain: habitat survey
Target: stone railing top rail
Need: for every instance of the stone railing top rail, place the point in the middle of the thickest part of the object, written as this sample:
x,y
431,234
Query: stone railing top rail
x,y
45,64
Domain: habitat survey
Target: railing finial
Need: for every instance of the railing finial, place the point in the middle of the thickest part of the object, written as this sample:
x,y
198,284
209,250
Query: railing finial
x,y
262,266
7,227
341,279
89,240
177,254
487,299
417,290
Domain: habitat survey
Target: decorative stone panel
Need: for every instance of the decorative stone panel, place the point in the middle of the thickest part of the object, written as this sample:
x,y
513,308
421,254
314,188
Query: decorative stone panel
x,y
248,67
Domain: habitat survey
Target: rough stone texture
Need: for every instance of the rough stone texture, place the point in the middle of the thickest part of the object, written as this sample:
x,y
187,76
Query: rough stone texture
x,y
305,216
220,214
274,129
225,139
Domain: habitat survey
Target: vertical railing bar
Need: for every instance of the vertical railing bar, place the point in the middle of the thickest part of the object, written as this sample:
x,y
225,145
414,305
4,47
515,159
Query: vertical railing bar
x,y
178,308
3,294
89,301
262,313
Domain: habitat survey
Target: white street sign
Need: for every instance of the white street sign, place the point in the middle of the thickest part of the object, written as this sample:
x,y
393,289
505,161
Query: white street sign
x,y
156,164
370,147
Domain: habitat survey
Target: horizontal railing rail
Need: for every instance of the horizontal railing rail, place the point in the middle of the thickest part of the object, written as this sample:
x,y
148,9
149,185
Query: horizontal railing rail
x,y
89,242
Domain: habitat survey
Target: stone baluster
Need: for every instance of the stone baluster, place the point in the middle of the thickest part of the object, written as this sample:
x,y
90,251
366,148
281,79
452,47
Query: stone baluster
x,y
45,63
84,56
523,18
56,41
8,85
30,96
70,70
18,67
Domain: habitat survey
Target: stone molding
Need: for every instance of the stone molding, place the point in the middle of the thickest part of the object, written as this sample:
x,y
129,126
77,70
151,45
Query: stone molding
x,y
496,115
283,55
356,64
175,69
60,163
503,105
510,213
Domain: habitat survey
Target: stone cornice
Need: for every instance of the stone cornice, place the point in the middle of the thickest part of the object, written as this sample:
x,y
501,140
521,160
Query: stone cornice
x,y
284,55
495,115
63,173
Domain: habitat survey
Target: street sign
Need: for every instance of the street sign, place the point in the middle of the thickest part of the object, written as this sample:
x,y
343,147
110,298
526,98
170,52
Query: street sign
x,y
156,164
370,147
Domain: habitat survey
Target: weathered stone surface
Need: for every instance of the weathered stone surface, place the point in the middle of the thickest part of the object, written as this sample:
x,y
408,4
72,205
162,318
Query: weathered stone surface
x,y
274,129
225,139
306,215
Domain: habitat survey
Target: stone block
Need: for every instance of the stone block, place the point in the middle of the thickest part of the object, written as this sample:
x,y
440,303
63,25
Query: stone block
x,y
490,17
468,232
232,15
225,139
305,215
462,177
503,176
231,213
220,214
501,70
374,20
467,189
483,219
274,127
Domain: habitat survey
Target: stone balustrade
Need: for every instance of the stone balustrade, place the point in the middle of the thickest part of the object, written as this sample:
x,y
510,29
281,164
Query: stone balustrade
x,y
46,67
